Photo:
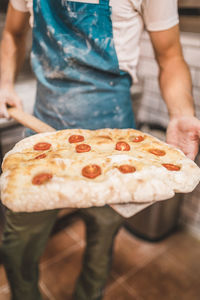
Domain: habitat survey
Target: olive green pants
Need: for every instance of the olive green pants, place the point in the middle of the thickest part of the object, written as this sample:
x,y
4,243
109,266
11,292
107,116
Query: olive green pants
x,y
24,240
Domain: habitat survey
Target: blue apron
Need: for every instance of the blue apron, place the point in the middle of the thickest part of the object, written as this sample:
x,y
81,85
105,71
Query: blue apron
x,y
79,83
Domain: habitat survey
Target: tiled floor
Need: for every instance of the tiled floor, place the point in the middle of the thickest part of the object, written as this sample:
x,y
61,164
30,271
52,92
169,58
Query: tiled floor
x,y
167,270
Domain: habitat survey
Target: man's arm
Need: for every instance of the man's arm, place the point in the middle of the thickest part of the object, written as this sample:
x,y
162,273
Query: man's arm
x,y
13,47
176,88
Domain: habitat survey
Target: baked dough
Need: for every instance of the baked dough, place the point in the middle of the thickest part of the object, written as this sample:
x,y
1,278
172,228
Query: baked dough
x,y
50,170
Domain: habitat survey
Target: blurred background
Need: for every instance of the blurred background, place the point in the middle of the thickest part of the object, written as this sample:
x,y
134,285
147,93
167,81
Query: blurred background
x,y
170,223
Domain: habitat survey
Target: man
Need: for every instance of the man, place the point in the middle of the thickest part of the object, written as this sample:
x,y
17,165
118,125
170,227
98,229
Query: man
x,y
84,59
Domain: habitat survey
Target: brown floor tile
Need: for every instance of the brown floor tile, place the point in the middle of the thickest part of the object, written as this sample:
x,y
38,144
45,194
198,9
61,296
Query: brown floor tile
x,y
4,288
131,253
166,270
185,250
164,279
76,230
61,276
46,295
5,294
3,278
119,293
58,243
111,281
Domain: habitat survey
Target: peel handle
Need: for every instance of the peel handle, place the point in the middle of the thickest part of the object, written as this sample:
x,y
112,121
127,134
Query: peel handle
x,y
29,121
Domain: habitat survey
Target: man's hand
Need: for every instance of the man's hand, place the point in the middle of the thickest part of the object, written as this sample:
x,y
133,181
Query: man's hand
x,y
184,133
176,87
8,97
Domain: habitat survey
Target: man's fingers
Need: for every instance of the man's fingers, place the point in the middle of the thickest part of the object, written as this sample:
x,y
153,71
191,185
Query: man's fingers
x,y
193,150
9,98
16,103
10,102
3,111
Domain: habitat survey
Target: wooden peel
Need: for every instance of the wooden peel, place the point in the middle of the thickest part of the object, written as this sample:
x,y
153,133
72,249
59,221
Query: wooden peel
x,y
29,121
126,210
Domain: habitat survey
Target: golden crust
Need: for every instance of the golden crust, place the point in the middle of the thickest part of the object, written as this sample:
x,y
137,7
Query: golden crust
x,y
69,188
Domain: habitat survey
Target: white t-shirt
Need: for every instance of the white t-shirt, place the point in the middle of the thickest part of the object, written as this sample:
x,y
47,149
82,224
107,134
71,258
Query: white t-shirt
x,y
129,17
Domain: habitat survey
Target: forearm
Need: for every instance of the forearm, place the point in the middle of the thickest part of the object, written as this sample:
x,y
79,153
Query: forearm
x,y
176,87
12,54
183,130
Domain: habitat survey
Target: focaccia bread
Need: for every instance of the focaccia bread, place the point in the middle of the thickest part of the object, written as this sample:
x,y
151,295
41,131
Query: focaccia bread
x,y
83,168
